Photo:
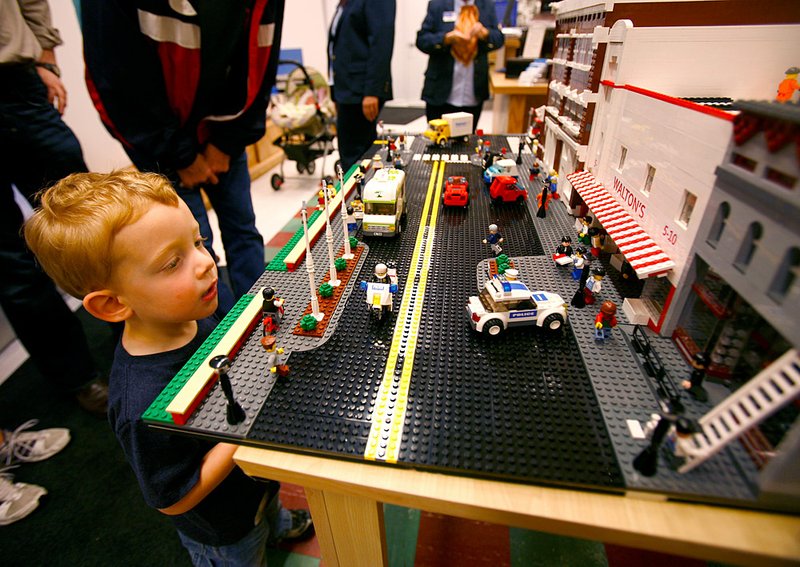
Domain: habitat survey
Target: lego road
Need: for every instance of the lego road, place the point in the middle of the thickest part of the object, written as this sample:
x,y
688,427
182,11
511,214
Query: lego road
x,y
420,388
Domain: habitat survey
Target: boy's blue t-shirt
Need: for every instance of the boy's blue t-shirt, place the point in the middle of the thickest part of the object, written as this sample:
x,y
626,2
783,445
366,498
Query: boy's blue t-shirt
x,y
167,465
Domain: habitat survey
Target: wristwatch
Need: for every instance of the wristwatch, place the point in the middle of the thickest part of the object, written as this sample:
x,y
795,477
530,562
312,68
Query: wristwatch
x,y
52,67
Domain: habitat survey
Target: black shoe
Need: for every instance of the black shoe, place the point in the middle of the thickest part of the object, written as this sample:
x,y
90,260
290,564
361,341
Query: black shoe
x,y
94,398
302,526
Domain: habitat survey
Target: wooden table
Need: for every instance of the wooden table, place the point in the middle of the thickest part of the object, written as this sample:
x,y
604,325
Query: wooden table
x,y
346,503
512,102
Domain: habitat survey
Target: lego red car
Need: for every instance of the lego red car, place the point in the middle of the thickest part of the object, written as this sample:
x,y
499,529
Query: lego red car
x,y
505,189
456,191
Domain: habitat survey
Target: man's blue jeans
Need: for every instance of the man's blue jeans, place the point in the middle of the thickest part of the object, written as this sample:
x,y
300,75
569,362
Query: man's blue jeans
x,y
36,150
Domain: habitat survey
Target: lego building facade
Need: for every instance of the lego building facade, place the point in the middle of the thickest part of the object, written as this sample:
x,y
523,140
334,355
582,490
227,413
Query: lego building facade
x,y
741,304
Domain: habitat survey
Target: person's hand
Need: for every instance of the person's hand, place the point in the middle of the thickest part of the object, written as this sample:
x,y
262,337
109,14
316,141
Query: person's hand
x,y
56,93
217,160
479,30
455,36
197,174
369,106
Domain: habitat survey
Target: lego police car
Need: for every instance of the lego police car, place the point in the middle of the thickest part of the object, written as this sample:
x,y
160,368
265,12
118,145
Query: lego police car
x,y
505,303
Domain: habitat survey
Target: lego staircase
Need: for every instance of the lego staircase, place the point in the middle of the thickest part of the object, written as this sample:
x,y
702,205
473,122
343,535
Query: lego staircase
x,y
767,392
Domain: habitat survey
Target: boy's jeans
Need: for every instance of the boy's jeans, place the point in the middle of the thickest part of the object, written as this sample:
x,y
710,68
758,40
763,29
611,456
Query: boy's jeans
x,y
250,551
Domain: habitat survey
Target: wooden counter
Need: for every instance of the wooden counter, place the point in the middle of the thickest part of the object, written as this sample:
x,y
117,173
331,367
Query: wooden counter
x,y
512,102
345,499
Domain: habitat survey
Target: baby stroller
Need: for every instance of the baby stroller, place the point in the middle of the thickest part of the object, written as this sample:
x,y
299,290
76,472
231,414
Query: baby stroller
x,y
303,108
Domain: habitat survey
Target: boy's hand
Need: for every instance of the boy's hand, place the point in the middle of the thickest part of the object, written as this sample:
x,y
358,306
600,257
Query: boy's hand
x,y
197,174
217,160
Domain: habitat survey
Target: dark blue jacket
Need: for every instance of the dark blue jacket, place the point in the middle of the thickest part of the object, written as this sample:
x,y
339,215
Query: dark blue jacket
x,y
362,51
430,40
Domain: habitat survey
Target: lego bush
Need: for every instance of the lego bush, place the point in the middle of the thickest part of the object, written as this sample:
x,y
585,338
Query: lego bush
x,y
501,259
308,322
326,290
340,263
501,268
353,242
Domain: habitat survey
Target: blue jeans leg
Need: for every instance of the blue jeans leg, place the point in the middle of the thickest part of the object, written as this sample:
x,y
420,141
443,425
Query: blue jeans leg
x,y
194,200
250,551
36,149
244,246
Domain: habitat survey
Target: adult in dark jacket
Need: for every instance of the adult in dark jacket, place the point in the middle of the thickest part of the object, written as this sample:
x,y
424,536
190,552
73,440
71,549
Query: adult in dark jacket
x,y
184,87
360,45
457,41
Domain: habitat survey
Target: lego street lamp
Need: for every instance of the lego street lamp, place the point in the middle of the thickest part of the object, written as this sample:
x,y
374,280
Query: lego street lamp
x,y
334,277
318,315
348,254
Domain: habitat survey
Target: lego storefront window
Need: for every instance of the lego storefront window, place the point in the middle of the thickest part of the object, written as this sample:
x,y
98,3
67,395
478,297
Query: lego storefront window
x,y
718,226
648,183
689,201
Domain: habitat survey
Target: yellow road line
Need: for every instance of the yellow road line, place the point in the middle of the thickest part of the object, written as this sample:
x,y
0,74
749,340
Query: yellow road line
x,y
388,416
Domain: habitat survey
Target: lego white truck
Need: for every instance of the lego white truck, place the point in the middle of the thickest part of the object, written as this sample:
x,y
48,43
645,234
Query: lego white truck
x,y
452,125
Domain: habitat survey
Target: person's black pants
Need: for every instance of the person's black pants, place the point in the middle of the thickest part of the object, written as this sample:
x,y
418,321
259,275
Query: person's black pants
x,y
356,133
36,149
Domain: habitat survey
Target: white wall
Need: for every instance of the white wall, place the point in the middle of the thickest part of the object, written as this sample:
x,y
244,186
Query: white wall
x,y
739,62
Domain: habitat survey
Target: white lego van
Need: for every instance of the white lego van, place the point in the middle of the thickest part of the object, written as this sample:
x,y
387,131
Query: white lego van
x,y
384,203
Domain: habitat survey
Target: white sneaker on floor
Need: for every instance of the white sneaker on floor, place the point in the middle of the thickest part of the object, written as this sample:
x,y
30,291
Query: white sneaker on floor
x,y
17,500
20,446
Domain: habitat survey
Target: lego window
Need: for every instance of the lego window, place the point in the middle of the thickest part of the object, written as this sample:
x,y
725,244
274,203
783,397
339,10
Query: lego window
x,y
748,248
689,201
743,162
622,155
780,178
718,225
786,275
648,183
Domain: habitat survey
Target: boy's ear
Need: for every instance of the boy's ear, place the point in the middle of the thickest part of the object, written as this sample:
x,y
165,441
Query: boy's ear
x,y
106,306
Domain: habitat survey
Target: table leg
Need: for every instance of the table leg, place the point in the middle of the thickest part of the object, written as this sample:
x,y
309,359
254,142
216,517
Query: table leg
x,y
350,529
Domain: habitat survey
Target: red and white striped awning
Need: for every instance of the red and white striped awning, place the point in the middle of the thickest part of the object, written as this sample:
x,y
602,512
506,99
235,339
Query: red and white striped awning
x,y
644,255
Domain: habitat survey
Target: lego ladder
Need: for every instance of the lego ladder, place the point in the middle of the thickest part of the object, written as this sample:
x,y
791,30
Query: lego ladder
x,y
765,393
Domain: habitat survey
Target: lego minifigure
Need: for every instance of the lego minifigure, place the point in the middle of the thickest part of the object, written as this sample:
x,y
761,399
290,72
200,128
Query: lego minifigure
x,y
221,364
494,239
578,262
596,238
380,130
381,274
583,234
352,225
552,182
563,254
579,299
271,311
534,170
593,286
788,85
694,385
605,320
543,201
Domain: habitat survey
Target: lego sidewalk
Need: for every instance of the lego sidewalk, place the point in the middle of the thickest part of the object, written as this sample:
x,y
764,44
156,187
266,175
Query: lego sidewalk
x,y
624,391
